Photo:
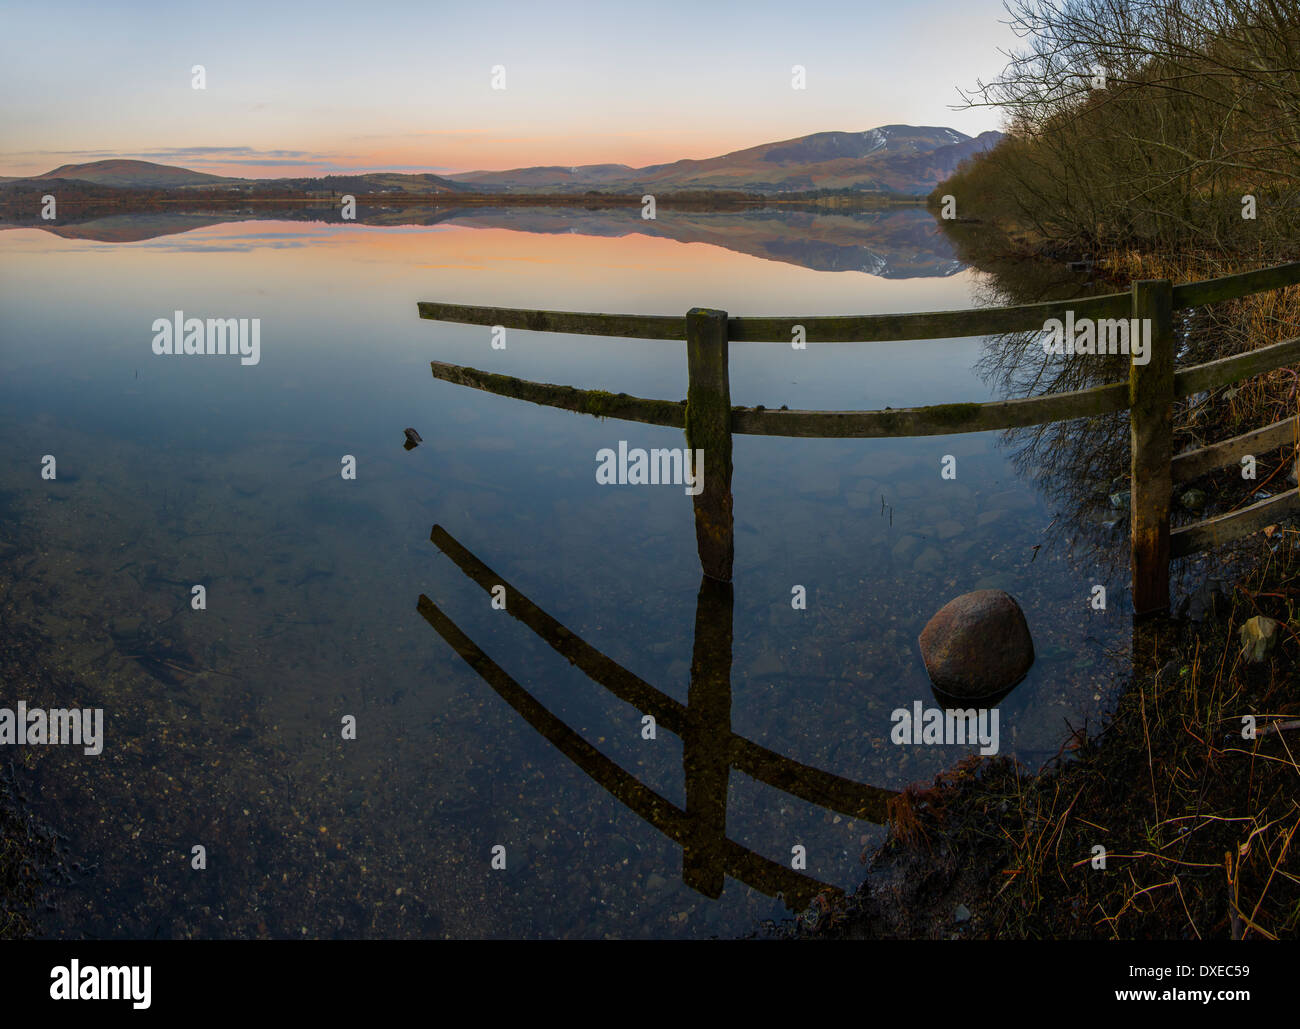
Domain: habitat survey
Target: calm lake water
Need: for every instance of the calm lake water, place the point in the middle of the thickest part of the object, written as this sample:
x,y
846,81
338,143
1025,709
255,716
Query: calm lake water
x,y
223,726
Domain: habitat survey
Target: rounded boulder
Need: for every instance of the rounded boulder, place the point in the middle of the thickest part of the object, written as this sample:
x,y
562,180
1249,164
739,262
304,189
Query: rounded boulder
x,y
977,645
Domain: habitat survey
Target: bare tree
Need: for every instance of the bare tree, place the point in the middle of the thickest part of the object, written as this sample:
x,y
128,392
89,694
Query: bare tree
x,y
1149,122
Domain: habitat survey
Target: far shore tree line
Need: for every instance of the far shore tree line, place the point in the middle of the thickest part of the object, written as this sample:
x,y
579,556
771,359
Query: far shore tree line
x,y
21,200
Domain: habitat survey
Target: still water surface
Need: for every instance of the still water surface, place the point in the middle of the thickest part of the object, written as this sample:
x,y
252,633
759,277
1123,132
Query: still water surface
x,y
224,725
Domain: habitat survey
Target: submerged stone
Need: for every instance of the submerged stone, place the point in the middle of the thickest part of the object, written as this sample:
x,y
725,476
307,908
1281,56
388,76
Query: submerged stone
x,y
930,560
950,529
905,548
977,645
1209,600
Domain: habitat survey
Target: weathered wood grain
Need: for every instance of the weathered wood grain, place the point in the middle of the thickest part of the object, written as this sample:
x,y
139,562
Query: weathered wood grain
x,y
708,428
1151,430
1230,287
936,420
1230,451
1191,539
1227,370
936,325
584,401
630,326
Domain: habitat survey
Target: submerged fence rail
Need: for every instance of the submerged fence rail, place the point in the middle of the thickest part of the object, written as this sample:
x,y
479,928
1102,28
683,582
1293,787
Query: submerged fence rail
x,y
710,420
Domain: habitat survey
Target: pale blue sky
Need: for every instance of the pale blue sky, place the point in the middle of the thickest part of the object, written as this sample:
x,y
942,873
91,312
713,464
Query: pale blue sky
x,y
312,88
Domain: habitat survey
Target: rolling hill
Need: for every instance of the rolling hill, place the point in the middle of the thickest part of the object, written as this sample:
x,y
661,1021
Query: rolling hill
x,y
903,159
123,174
134,175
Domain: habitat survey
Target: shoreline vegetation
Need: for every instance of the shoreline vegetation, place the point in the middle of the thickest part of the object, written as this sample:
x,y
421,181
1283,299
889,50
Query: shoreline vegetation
x,y
1152,139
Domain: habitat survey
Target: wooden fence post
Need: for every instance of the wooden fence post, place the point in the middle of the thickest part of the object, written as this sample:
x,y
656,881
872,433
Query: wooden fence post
x,y
708,429
1151,397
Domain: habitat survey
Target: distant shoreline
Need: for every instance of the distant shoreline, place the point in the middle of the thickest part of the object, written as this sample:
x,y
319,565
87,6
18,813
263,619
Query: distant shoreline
x,y
29,202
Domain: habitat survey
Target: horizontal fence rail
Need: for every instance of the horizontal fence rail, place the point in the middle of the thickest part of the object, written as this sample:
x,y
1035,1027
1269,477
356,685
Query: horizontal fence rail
x,y
1226,370
1234,287
928,325
1191,539
1195,463
933,420
872,328
936,420
567,398
1148,395
631,326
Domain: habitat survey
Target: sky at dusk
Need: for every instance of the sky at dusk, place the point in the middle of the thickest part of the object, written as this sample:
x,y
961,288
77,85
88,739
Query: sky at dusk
x,y
313,89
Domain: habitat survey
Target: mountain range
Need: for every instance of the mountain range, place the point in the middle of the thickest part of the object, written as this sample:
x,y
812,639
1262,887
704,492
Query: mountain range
x,y
892,158
901,159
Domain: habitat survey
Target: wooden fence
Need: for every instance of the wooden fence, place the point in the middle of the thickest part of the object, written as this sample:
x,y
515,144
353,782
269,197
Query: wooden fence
x,y
709,418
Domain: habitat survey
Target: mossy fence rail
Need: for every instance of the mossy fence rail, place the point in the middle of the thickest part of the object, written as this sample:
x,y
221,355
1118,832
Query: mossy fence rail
x,y
709,418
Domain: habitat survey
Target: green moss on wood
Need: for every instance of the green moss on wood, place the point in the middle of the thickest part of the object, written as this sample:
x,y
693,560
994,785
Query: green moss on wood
x,y
953,414
598,403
